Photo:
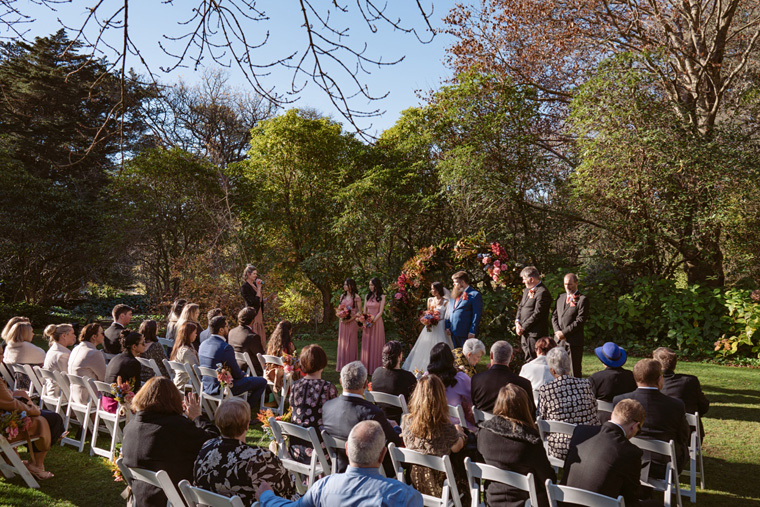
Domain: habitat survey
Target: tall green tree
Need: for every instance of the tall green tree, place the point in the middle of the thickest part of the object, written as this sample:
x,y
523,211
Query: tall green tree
x,y
288,194
62,124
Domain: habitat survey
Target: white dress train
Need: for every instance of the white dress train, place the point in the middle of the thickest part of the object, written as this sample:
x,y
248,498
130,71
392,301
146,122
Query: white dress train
x,y
419,357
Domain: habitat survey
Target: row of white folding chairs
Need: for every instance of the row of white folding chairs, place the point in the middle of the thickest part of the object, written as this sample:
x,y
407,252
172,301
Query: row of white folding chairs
x,y
182,494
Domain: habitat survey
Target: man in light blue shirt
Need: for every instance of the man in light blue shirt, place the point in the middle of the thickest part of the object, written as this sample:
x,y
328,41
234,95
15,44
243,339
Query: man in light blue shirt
x,y
361,485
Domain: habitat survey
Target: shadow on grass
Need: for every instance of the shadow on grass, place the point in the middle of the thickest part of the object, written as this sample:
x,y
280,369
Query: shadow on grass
x,y
745,397
728,483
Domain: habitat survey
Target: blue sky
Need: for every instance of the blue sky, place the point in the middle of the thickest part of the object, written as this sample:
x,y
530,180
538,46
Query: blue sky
x,y
422,68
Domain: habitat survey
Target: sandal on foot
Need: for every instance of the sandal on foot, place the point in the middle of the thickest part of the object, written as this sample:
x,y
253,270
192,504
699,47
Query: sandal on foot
x,y
38,472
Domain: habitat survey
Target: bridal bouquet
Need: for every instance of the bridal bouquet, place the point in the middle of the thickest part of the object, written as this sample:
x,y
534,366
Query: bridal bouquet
x,y
430,318
344,312
364,319
11,423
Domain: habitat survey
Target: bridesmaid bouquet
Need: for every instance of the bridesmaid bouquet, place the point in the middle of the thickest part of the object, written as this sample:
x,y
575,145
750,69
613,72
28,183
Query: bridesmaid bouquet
x,y
122,391
365,320
291,363
11,423
430,318
344,312
224,376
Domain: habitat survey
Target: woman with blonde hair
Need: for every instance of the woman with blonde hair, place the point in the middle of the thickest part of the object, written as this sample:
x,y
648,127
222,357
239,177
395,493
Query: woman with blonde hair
x,y
184,352
427,429
280,343
174,314
20,350
86,360
60,337
510,441
10,324
191,313
47,426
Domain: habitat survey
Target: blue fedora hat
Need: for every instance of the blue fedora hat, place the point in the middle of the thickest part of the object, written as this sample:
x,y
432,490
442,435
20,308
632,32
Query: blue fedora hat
x,y
611,355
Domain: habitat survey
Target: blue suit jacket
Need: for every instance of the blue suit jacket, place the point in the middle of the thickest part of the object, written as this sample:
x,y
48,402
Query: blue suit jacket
x,y
465,316
212,352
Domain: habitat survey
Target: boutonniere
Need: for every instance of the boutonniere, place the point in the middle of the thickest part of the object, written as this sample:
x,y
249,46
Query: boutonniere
x,y
465,297
532,293
574,301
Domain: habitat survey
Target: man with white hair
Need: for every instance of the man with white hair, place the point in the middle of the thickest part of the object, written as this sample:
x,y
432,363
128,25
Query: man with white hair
x,y
361,485
486,385
341,414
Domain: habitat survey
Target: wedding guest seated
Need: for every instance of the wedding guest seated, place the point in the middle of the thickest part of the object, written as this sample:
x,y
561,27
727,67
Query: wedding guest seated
x,y
341,414
567,399
390,378
124,366
19,349
228,466
457,383
614,379
361,484
46,425
243,339
280,343
215,312
8,325
153,350
87,361
665,416
122,315
174,313
428,430
486,385
184,352
602,460
466,359
190,313
681,386
510,441
307,398
164,434
60,337
537,370
216,351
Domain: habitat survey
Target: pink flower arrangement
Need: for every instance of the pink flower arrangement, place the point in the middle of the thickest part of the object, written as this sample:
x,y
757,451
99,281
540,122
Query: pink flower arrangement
x,y
123,391
496,263
224,376
364,319
430,318
344,312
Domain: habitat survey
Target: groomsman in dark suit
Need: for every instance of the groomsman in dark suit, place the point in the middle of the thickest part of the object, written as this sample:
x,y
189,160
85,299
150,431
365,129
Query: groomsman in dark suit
x,y
121,314
666,416
532,320
568,319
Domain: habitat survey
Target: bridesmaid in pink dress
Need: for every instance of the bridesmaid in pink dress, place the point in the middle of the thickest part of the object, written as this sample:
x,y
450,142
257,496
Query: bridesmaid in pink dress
x,y
373,337
348,330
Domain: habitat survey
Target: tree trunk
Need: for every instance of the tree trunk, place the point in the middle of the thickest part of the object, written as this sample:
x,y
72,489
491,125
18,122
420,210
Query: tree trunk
x,y
704,262
328,311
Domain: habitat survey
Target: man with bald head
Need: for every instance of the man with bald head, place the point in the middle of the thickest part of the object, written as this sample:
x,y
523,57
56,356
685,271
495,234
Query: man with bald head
x,y
361,485
569,317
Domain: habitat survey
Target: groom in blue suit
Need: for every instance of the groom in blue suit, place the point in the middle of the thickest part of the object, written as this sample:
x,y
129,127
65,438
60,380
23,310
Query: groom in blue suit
x,y
463,321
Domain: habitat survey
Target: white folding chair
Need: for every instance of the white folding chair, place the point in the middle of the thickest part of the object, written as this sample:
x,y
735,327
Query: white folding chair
x,y
22,379
55,403
604,406
175,368
80,412
318,464
481,415
210,401
167,344
11,464
245,357
478,472
168,368
458,411
696,466
110,421
388,399
544,428
449,492
7,375
196,497
152,364
669,485
332,445
281,396
557,493
158,479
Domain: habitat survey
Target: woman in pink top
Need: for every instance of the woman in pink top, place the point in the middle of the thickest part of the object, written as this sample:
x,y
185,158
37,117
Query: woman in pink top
x,y
348,329
373,333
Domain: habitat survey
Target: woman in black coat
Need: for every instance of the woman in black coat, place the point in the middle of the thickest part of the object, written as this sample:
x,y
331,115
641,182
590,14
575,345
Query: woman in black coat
x,y
391,379
160,437
510,441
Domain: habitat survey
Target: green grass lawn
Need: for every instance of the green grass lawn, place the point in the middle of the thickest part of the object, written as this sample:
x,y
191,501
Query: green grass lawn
x,y
731,446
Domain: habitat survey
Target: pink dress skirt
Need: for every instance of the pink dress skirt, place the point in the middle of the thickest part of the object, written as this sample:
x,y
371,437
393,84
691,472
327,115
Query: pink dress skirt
x,y
373,340
348,339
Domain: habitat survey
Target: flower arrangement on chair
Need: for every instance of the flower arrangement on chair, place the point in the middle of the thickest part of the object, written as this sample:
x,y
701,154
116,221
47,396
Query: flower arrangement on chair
x,y
123,392
13,423
224,376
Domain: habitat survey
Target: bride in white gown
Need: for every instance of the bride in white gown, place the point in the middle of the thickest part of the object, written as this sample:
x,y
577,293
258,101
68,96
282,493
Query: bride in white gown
x,y
419,357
